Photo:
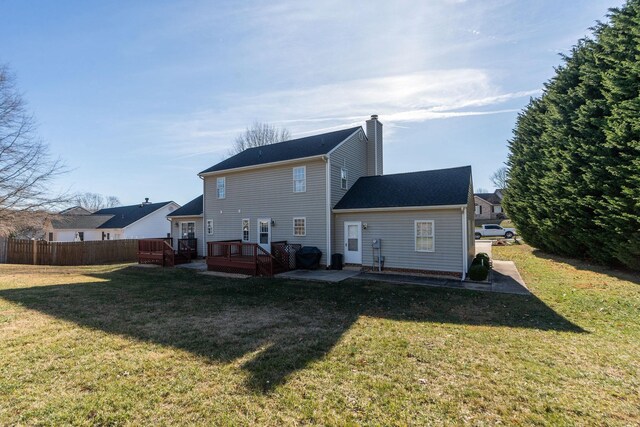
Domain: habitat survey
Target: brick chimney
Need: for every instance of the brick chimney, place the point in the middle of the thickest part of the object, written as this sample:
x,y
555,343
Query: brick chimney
x,y
374,146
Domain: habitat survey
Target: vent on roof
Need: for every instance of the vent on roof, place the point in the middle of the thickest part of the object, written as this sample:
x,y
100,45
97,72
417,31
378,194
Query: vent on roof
x,y
146,202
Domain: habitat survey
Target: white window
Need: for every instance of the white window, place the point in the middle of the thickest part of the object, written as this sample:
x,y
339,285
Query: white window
x,y
245,230
300,179
209,227
220,187
299,226
478,209
497,209
425,240
343,178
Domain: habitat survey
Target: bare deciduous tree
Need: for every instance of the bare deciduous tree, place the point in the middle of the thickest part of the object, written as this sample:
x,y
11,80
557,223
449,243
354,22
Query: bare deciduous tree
x,y
26,167
257,135
481,190
499,178
94,201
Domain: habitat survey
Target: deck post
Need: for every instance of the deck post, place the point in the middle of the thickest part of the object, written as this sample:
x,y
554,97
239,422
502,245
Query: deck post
x,y
34,243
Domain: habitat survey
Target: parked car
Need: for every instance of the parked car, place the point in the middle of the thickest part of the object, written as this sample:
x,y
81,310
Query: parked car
x,y
494,230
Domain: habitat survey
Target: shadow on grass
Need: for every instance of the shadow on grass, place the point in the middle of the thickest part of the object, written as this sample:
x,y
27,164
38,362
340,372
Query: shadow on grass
x,y
286,324
621,274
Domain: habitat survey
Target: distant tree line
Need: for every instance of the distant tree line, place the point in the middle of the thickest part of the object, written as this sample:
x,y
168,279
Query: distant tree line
x,y
574,164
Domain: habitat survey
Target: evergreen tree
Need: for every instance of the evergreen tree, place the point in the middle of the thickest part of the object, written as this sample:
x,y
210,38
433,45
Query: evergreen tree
x,y
574,180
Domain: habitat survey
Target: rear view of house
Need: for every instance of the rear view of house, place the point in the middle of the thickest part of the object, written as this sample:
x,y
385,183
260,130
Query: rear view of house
x,y
328,191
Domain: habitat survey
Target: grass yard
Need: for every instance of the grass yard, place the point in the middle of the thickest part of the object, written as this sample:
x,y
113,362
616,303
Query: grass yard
x,y
114,345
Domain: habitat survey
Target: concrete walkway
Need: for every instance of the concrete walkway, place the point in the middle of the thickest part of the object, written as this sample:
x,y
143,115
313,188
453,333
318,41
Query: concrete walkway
x,y
507,279
332,276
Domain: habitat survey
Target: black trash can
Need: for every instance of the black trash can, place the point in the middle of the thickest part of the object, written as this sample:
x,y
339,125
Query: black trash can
x,y
336,262
308,258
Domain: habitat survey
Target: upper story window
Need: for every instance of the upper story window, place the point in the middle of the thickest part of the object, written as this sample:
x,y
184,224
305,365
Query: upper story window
x,y
300,179
221,187
343,178
424,236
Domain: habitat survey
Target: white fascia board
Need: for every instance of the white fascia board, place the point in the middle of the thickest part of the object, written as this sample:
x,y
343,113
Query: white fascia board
x,y
262,165
401,208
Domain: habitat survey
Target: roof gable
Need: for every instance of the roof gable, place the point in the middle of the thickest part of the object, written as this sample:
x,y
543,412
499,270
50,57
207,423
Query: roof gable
x,y
300,148
443,187
491,198
193,208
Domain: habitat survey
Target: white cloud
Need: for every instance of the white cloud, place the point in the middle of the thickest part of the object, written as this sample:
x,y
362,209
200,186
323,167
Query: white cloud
x,y
413,97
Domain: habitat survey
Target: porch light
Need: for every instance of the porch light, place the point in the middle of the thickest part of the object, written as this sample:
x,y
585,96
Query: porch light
x,y
273,223
364,225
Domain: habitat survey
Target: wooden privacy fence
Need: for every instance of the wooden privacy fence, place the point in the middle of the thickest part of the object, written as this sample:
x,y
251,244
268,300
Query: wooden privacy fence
x,y
40,252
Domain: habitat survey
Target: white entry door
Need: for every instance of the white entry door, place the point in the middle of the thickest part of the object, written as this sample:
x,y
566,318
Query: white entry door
x,y
264,234
353,242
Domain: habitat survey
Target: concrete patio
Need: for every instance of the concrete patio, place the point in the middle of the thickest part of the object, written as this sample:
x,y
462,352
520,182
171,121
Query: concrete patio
x,y
332,276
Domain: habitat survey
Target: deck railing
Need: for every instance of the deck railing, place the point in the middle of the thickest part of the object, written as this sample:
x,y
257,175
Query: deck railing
x,y
250,258
188,247
155,251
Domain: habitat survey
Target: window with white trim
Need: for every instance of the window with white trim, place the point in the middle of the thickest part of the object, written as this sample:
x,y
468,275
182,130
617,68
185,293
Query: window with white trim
x,y
478,209
300,179
300,226
343,178
246,226
221,187
424,236
210,227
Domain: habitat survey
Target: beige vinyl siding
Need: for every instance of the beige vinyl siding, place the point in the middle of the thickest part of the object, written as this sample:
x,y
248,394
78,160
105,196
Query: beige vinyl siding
x,y
352,155
397,231
268,193
176,232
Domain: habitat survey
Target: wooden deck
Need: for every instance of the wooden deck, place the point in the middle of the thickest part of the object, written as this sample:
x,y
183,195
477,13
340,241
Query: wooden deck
x,y
160,252
250,258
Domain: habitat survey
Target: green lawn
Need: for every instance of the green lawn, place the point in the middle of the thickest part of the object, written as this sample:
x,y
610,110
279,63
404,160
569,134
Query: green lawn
x,y
115,345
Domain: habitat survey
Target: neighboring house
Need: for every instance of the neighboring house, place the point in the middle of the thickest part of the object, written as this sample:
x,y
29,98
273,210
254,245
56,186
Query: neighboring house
x,y
489,205
143,220
75,210
187,223
329,191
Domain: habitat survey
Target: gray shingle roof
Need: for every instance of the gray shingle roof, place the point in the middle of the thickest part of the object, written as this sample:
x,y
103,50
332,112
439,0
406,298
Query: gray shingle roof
x,y
489,197
79,222
309,146
193,208
427,188
126,215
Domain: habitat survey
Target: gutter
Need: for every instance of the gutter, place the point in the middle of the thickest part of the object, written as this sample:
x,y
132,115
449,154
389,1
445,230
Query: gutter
x,y
399,208
262,165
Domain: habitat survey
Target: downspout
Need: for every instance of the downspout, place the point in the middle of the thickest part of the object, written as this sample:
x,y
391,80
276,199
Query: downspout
x,y
465,244
327,159
204,219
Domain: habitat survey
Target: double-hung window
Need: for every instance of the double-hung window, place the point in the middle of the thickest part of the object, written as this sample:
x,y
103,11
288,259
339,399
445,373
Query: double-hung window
x,y
300,179
424,236
299,226
221,187
343,178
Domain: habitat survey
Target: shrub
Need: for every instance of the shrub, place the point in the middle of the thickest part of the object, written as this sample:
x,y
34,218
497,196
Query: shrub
x,y
478,272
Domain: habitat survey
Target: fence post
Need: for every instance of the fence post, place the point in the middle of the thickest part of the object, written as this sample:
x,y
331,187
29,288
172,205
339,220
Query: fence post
x,y
35,251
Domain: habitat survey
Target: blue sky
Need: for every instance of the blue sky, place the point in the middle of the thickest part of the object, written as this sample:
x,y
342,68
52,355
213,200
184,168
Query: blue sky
x,y
138,97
